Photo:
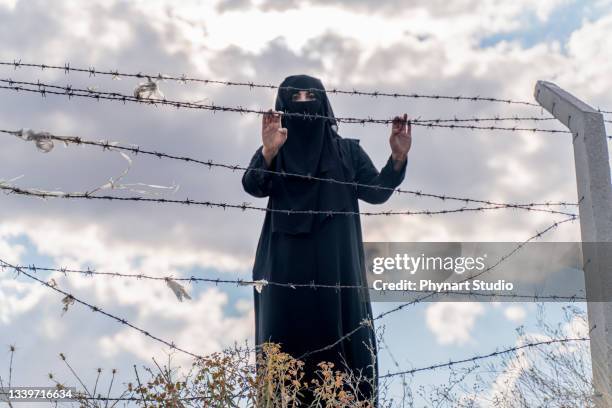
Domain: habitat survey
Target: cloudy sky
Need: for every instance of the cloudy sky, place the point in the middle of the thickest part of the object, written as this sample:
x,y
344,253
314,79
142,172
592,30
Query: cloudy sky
x,y
465,47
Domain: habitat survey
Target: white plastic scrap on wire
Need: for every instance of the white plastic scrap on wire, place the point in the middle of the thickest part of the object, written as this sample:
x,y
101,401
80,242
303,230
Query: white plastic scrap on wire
x,y
258,284
45,144
148,90
114,184
41,139
178,289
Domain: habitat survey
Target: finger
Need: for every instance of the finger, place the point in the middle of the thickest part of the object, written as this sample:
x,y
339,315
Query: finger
x,y
395,123
266,116
276,118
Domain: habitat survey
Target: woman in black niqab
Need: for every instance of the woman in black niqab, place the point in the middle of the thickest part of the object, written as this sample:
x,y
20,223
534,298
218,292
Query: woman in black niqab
x,y
310,151
320,248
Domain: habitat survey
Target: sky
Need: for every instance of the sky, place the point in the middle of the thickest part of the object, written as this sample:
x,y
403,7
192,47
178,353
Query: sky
x,y
464,47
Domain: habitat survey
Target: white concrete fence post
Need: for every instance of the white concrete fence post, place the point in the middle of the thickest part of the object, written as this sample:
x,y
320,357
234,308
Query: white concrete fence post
x,y
595,206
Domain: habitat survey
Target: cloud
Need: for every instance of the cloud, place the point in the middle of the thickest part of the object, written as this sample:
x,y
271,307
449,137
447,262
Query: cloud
x,y
202,325
584,46
394,8
515,314
453,322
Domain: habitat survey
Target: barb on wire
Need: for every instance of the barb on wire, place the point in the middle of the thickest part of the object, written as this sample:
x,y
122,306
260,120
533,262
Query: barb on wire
x,y
263,283
486,356
183,79
223,205
71,299
46,89
370,322
105,145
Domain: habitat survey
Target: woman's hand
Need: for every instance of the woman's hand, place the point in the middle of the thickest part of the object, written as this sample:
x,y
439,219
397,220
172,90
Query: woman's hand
x,y
400,140
273,136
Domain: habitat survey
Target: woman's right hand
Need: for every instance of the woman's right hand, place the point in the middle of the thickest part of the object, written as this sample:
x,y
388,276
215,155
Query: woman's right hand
x,y
273,136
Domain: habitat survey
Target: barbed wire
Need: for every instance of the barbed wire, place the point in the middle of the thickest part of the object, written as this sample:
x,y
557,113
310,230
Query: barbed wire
x,y
412,371
172,345
97,309
21,270
515,118
69,91
364,323
67,68
106,145
244,206
216,281
43,89
485,356
263,283
448,364
370,322
115,74
502,259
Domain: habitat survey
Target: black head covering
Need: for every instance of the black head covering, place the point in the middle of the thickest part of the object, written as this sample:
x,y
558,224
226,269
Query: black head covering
x,y
310,149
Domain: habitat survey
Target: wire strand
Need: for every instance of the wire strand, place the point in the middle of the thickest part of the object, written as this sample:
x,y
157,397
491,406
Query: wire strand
x,y
67,69
312,285
44,89
485,356
106,145
243,206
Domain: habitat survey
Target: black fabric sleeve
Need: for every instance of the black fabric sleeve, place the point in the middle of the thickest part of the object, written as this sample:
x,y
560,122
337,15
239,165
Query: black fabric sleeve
x,y
366,173
256,182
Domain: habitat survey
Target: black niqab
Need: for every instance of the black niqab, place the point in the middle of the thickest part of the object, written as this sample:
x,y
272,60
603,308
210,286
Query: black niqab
x,y
310,150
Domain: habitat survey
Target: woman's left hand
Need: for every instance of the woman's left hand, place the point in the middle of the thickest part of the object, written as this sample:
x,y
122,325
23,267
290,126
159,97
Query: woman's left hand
x,y
401,138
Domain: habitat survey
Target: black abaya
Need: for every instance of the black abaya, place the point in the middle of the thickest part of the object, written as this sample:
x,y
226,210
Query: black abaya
x,y
306,319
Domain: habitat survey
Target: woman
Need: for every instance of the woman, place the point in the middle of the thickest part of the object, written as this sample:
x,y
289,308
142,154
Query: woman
x,y
321,248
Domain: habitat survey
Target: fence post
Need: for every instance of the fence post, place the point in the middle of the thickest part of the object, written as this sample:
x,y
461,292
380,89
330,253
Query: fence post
x,y
595,194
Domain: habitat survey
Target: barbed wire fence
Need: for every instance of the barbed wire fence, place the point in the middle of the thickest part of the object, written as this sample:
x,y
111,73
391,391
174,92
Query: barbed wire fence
x,y
67,68
45,89
39,137
184,79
